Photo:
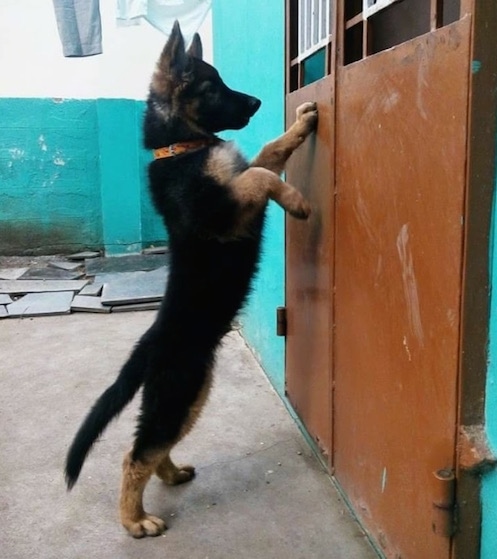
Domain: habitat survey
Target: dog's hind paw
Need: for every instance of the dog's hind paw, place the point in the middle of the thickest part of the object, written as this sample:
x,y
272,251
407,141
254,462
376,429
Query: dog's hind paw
x,y
147,526
176,475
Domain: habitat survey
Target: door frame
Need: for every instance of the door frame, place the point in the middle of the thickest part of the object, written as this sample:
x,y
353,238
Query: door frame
x,y
475,300
475,305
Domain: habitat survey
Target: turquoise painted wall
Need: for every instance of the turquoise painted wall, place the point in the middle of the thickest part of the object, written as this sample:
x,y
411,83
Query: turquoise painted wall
x,y
249,52
489,486
72,176
49,175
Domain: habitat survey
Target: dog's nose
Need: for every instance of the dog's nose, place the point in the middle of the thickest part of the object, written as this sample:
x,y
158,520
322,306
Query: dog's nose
x,y
254,104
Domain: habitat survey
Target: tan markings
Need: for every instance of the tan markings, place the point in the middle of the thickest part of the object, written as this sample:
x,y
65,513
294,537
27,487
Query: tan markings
x,y
196,407
191,109
134,479
173,54
275,154
172,105
166,469
162,110
136,474
166,86
172,474
255,186
259,184
252,187
161,83
222,163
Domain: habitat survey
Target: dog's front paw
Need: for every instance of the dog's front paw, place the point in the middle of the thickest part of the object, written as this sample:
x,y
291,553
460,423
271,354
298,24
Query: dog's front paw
x,y
147,526
294,203
307,114
302,210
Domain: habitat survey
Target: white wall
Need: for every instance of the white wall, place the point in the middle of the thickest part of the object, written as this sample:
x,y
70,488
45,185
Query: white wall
x,y
32,65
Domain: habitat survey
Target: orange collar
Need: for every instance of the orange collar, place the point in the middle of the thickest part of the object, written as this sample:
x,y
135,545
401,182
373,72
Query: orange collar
x,y
182,147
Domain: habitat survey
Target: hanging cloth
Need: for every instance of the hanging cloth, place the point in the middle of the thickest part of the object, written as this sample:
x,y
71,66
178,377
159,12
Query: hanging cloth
x,y
79,25
162,13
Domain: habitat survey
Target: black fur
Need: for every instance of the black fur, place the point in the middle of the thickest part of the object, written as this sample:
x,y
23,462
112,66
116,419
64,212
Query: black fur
x,y
210,271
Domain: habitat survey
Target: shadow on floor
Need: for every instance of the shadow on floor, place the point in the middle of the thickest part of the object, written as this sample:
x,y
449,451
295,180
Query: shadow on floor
x,y
259,492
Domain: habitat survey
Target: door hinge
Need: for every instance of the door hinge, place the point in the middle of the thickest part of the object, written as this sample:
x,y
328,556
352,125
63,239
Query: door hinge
x,y
281,321
444,503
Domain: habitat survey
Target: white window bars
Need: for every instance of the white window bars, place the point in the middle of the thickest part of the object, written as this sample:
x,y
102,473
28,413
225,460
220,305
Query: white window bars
x,y
314,26
370,7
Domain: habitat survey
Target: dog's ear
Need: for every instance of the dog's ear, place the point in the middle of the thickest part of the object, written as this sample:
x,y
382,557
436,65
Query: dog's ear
x,y
195,49
174,60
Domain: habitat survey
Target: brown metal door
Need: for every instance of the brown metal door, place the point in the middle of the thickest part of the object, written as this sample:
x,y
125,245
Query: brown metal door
x,y
374,278
309,247
400,150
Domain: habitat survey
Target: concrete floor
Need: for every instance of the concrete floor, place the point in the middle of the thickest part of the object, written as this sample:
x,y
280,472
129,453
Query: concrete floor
x,y
259,491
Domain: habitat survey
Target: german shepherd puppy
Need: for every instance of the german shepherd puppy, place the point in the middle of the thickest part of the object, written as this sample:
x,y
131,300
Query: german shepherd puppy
x,y
213,203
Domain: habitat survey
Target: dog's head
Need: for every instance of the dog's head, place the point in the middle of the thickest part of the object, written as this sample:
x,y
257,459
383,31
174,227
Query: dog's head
x,y
187,87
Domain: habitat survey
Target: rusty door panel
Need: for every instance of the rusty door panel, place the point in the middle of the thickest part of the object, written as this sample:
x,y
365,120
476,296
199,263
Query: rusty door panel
x,y
308,271
401,151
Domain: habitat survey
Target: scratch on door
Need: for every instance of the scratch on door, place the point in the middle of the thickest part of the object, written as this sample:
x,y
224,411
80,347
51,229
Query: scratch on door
x,y
410,284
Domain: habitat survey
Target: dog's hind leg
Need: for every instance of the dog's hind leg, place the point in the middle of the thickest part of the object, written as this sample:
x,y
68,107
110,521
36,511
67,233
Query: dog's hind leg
x,y
136,474
150,455
171,474
167,470
275,154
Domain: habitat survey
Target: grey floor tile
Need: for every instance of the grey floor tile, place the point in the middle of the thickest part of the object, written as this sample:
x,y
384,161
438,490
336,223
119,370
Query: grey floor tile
x,y
40,286
51,274
36,304
88,303
130,263
83,255
5,299
64,265
93,289
151,306
156,250
12,273
3,311
137,287
117,276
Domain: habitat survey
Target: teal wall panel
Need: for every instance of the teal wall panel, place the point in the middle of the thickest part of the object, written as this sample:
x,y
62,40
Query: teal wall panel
x,y
120,177
73,175
153,230
489,482
249,52
489,515
49,176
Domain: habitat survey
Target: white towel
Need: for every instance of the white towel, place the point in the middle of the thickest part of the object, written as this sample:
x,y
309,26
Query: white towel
x,y
162,13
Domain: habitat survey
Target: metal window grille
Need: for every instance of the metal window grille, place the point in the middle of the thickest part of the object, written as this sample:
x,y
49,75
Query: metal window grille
x,y
370,7
314,26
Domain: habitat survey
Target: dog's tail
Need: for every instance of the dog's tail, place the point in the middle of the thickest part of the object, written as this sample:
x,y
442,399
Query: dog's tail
x,y
106,408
